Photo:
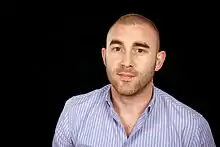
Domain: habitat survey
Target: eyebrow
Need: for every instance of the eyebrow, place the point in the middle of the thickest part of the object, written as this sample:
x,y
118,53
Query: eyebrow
x,y
141,44
114,41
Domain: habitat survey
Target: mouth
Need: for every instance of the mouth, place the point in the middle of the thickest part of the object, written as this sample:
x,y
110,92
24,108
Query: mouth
x,y
126,76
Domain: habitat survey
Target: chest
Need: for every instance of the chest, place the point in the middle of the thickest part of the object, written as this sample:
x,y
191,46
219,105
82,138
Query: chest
x,y
128,123
107,132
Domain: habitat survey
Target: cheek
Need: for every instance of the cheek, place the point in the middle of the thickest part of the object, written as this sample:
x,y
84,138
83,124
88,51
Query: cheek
x,y
144,64
110,65
114,57
113,61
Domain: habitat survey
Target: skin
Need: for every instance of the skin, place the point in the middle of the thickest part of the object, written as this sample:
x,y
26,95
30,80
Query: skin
x,y
131,58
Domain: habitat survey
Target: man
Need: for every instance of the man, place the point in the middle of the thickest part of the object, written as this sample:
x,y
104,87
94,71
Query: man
x,y
131,111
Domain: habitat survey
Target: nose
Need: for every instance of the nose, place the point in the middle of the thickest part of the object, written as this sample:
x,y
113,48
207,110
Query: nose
x,y
127,60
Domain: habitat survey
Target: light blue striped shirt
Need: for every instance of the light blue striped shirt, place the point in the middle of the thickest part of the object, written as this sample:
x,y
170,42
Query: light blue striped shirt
x,y
89,120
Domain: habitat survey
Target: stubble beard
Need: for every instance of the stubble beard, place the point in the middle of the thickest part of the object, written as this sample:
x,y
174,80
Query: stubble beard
x,y
131,88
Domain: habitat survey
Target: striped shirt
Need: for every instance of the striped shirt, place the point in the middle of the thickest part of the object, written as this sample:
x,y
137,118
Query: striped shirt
x,y
89,120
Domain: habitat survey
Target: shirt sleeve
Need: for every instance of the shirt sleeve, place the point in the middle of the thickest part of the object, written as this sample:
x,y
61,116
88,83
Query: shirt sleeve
x,y
203,135
62,135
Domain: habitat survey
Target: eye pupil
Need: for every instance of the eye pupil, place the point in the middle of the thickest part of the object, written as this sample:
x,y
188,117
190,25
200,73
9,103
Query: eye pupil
x,y
117,49
140,50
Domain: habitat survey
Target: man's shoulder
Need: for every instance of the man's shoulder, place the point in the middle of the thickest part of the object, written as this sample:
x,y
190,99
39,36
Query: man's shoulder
x,y
178,108
188,121
87,98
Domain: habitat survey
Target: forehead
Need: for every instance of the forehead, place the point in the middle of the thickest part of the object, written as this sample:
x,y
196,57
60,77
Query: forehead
x,y
133,33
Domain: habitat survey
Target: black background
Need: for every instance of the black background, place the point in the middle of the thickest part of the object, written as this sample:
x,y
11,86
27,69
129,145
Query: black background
x,y
70,63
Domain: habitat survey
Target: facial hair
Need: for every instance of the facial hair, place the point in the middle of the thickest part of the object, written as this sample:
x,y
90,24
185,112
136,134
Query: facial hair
x,y
141,80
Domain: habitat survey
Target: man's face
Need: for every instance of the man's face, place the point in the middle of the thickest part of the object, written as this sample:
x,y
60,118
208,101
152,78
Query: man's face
x,y
130,57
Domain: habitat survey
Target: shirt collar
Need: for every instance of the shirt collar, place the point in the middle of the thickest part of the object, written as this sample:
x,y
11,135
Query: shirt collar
x,y
108,96
148,109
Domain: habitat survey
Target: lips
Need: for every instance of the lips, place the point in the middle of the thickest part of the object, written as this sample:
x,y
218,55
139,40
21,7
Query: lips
x,y
128,75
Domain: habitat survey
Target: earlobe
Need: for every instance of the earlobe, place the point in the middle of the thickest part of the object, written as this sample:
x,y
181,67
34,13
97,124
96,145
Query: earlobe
x,y
160,60
104,55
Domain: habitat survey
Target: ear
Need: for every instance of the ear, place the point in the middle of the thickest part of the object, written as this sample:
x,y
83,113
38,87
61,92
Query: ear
x,y
160,60
104,55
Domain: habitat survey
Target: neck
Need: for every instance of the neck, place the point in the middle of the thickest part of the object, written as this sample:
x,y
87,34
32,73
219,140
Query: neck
x,y
135,104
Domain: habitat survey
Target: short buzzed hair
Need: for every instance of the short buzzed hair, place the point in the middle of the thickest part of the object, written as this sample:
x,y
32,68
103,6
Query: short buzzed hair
x,y
133,19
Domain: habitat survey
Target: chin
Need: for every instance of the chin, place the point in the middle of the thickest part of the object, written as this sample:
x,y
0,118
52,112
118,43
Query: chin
x,y
127,93
126,89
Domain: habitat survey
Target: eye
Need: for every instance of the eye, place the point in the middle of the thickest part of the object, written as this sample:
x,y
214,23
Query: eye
x,y
140,50
116,49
